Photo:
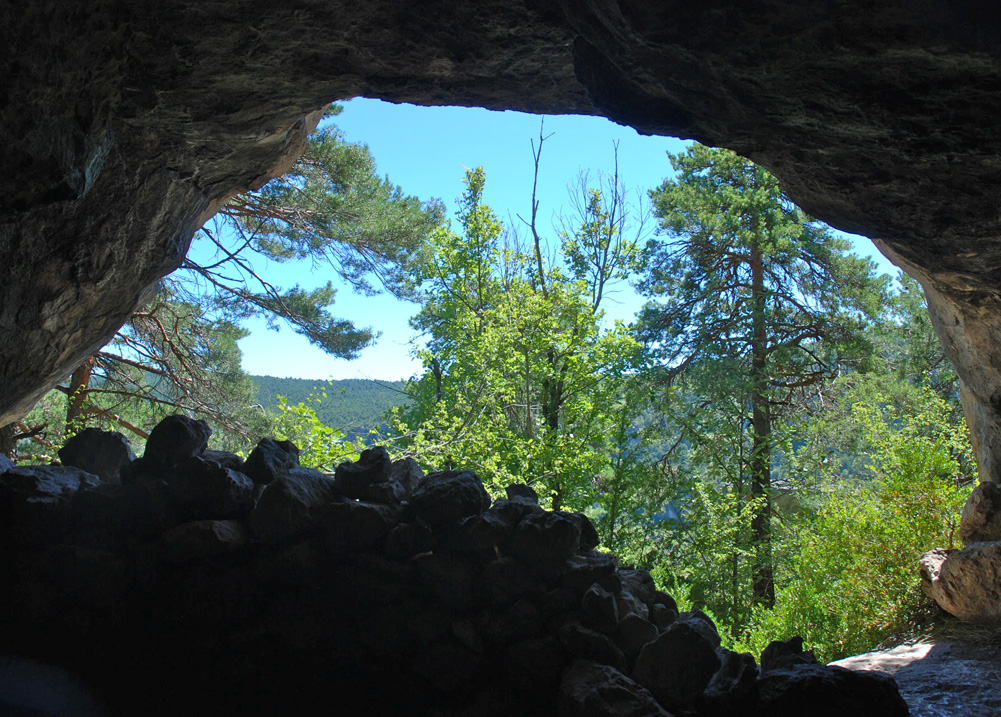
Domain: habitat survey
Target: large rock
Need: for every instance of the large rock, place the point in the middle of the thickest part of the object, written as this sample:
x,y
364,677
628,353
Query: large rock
x,y
981,519
174,440
780,654
356,478
35,500
292,505
204,490
271,459
104,453
825,691
546,541
444,498
733,690
590,689
354,525
965,582
677,666
584,643
202,539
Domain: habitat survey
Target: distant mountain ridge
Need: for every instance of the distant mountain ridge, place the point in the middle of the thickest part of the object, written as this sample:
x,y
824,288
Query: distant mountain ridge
x,y
349,403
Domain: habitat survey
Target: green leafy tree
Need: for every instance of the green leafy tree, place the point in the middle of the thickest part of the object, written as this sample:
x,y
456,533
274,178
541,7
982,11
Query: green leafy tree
x,y
763,300
520,376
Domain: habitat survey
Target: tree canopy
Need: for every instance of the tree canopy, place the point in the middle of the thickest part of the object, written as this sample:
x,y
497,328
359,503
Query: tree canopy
x,y
753,300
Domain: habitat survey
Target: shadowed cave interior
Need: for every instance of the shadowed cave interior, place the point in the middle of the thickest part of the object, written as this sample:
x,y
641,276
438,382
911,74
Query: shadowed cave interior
x,y
128,124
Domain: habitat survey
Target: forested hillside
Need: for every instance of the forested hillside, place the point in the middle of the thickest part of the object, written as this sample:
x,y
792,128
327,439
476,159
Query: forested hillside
x,y
345,404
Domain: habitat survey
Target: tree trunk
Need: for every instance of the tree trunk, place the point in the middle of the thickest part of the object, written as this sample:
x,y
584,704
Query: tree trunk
x,y
761,428
77,403
8,444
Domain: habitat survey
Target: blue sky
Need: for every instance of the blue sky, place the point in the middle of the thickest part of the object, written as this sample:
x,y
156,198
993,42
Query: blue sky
x,y
426,150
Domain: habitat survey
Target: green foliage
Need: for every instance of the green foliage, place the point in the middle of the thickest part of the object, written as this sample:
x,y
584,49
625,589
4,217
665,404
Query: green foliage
x,y
519,375
331,208
908,346
320,446
852,579
751,302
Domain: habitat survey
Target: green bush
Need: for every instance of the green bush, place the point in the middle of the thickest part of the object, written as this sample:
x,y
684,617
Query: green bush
x,y
853,583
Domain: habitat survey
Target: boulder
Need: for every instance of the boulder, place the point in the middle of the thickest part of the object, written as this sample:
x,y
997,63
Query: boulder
x,y
173,440
535,665
292,505
224,459
582,571
703,624
589,539
202,539
360,479
520,621
827,691
522,490
677,666
601,608
145,508
582,642
6,464
446,577
626,601
514,509
103,453
484,533
640,584
204,490
634,633
546,541
270,460
354,525
506,579
35,500
733,690
591,689
408,539
445,497
780,654
965,582
408,474
981,519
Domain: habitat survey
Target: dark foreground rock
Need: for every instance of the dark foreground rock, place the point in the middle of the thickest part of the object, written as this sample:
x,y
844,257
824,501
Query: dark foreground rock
x,y
825,691
193,589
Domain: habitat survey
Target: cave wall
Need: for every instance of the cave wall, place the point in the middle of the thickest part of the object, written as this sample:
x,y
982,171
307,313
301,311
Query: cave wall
x,y
126,124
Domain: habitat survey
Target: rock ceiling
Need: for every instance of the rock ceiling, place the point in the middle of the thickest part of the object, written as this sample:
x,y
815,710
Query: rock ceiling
x,y
126,124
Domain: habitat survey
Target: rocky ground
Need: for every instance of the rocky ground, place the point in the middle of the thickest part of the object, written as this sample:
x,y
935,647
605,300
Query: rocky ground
x,y
943,676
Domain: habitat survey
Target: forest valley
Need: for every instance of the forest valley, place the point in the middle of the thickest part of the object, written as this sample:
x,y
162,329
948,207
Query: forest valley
x,y
777,435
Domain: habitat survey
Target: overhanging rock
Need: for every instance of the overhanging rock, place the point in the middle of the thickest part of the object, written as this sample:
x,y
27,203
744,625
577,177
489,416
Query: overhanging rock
x,y
128,124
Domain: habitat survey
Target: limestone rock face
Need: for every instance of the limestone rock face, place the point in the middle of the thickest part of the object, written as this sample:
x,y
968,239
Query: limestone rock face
x,y
981,520
126,125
